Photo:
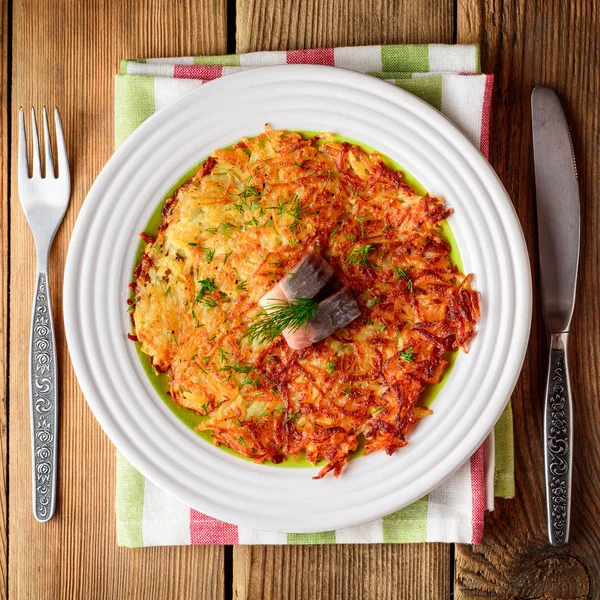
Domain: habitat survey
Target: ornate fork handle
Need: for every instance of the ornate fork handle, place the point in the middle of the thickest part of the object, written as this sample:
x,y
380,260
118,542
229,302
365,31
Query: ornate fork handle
x,y
44,406
558,434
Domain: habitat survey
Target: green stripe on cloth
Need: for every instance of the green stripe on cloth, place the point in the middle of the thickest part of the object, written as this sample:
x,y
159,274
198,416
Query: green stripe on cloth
x,y
477,59
426,88
125,62
227,60
129,504
134,103
504,455
407,524
411,58
324,537
390,74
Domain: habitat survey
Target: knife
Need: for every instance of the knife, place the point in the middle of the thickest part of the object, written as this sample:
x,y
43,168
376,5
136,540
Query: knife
x,y
557,196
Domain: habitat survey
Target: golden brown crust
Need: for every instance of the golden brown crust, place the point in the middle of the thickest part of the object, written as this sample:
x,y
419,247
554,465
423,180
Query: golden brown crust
x,y
233,231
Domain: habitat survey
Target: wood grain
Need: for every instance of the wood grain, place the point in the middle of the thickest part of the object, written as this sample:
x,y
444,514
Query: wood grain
x,y
359,571
3,293
294,24
370,571
65,54
555,43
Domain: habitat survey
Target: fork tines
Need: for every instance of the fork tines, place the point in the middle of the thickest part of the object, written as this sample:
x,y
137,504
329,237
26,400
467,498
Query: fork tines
x,y
36,162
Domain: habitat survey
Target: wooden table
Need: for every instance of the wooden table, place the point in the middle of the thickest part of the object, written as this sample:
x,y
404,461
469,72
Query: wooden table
x,y
65,53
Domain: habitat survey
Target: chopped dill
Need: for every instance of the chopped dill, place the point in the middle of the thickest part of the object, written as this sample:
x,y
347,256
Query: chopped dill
x,y
330,367
292,417
132,304
201,368
208,302
400,273
209,255
206,285
361,220
227,227
371,302
242,285
238,367
249,190
241,439
378,408
227,256
251,382
407,355
360,255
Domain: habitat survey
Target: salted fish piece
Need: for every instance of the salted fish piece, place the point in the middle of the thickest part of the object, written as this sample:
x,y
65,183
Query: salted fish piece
x,y
333,313
307,278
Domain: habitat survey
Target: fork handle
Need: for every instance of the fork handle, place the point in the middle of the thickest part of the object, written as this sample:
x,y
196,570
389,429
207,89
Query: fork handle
x,y
558,435
44,406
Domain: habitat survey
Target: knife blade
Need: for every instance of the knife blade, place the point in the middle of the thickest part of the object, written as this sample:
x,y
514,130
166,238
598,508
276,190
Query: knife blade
x,y
558,218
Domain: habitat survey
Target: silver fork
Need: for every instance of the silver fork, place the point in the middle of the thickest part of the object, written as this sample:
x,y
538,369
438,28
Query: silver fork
x,y
44,201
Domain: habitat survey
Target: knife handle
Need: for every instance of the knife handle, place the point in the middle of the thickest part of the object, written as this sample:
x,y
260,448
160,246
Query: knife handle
x,y
558,436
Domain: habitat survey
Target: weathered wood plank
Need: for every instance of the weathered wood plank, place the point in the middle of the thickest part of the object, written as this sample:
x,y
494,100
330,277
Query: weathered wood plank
x,y
555,43
369,571
4,161
373,571
66,54
289,25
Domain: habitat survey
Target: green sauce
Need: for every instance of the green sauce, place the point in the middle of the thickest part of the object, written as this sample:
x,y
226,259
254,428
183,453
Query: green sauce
x,y
161,382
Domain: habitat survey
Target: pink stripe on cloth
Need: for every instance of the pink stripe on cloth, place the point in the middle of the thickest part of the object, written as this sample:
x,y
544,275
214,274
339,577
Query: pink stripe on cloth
x,y
205,530
206,72
477,496
317,56
484,142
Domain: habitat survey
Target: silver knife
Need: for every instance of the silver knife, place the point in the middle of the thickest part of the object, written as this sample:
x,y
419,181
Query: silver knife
x,y
557,195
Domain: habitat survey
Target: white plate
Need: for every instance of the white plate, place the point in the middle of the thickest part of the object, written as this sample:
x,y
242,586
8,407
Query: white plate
x,y
99,268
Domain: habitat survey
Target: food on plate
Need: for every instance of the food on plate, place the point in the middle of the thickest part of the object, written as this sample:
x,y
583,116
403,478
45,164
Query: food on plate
x,y
301,296
296,308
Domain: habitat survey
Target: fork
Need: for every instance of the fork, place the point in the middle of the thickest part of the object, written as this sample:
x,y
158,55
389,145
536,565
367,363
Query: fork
x,y
44,201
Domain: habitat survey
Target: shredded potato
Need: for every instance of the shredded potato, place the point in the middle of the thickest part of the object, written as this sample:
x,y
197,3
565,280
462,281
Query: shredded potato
x,y
233,231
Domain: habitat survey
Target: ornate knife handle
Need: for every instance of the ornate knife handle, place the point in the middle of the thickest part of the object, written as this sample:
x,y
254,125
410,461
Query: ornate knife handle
x,y
558,435
43,395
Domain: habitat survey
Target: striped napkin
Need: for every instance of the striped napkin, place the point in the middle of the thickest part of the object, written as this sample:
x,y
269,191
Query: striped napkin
x,y
448,78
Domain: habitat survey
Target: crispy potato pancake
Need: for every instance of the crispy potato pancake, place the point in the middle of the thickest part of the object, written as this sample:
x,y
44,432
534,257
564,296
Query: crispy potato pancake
x,y
233,231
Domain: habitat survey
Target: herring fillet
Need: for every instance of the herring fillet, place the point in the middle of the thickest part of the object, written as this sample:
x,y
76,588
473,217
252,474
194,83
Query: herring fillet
x,y
307,278
333,313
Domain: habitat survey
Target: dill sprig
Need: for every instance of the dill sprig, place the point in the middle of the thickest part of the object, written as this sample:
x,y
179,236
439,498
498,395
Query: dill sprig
x,y
407,355
206,285
400,273
249,190
360,255
238,367
281,315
